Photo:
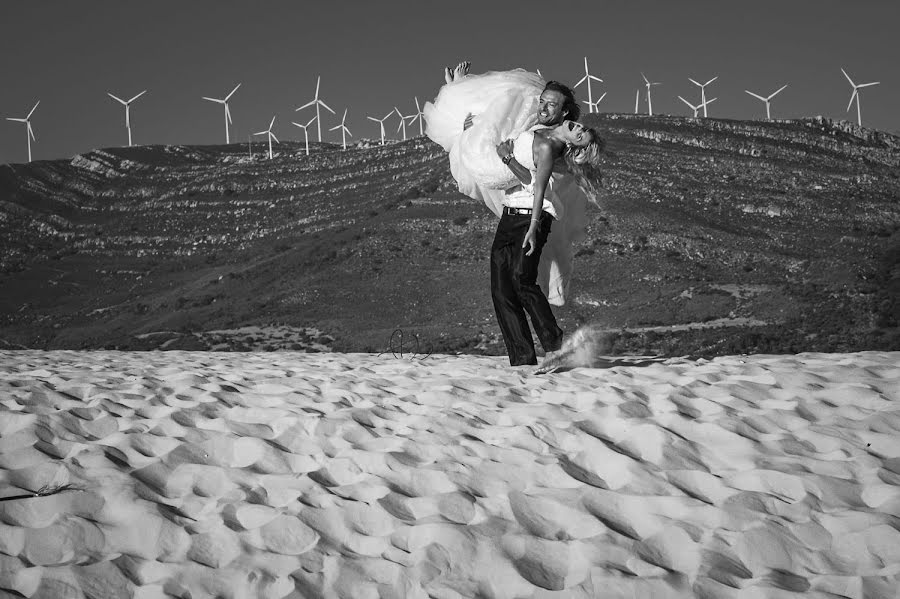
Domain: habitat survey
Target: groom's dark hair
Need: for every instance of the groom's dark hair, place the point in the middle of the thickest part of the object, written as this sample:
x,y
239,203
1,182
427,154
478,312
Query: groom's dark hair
x,y
570,106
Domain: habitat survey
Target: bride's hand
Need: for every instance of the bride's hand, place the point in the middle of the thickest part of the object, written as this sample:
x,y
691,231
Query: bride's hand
x,y
530,238
505,148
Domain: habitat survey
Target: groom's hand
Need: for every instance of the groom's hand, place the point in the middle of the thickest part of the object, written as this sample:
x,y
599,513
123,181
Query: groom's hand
x,y
468,122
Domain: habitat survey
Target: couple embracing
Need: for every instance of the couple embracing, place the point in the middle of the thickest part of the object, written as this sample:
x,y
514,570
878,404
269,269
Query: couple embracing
x,y
524,154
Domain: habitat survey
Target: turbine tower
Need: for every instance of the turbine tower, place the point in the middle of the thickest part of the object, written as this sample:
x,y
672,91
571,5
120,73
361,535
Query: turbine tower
x,y
649,100
697,108
227,112
595,106
29,133
381,122
306,132
270,134
587,78
317,102
420,116
703,101
403,121
344,131
855,95
127,106
767,100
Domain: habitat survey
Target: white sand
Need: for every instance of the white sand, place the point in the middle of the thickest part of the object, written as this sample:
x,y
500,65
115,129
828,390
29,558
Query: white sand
x,y
333,475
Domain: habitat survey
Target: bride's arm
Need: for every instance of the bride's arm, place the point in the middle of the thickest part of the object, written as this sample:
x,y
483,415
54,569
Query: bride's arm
x,y
544,159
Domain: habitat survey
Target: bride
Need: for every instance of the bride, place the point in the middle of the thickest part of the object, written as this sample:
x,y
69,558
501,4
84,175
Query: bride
x,y
528,159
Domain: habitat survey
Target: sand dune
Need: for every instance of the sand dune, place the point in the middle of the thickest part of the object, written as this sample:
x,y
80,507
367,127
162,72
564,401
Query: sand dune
x,y
185,474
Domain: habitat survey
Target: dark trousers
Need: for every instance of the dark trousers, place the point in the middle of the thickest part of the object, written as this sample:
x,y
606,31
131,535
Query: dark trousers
x,y
515,291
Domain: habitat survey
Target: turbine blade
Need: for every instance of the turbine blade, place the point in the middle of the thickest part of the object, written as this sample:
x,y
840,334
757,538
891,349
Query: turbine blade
x,y
31,132
137,96
373,119
311,121
116,98
232,92
580,81
307,105
710,81
388,115
755,95
272,123
868,84
781,89
852,97
645,79
417,104
848,77
214,100
273,137
227,113
318,81
325,106
601,97
299,125
335,128
33,109
694,82
261,133
686,102
597,79
710,101
9,118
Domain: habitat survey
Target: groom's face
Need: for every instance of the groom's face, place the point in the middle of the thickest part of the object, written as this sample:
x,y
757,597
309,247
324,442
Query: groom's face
x,y
550,110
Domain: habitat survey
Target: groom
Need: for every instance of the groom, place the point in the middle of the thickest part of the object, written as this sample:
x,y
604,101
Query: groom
x,y
514,271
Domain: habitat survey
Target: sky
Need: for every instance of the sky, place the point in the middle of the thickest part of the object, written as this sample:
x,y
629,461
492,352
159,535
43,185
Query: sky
x,y
375,55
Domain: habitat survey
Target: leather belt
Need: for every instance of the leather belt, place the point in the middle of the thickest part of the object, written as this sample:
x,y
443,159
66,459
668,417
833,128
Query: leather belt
x,y
517,211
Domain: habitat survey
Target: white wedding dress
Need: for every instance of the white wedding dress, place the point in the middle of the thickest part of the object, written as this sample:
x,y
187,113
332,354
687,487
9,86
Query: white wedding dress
x,y
505,104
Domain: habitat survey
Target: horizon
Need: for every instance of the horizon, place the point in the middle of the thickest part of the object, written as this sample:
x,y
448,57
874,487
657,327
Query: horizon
x,y
205,51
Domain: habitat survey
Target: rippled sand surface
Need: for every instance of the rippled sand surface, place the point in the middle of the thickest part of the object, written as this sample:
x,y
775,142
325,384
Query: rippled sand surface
x,y
185,474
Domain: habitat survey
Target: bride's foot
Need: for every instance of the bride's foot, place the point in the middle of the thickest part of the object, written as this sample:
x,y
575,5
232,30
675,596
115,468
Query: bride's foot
x,y
461,70
457,73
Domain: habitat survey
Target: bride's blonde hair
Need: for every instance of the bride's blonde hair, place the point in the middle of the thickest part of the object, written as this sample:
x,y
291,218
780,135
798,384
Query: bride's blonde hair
x,y
584,163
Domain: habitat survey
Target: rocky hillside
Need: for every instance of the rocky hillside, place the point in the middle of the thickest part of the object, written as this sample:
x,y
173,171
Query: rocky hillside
x,y
713,237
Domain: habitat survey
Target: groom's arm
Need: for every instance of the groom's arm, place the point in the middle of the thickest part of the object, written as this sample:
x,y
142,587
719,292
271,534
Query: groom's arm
x,y
505,152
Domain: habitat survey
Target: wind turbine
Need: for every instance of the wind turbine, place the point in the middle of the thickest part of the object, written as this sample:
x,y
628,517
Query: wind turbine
x,y
420,116
703,101
767,100
855,95
381,122
317,102
595,106
697,108
403,121
29,133
587,78
305,132
127,106
649,100
637,96
344,131
270,134
227,112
